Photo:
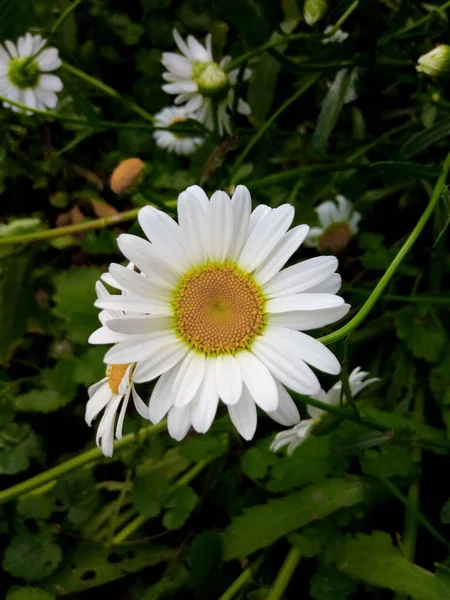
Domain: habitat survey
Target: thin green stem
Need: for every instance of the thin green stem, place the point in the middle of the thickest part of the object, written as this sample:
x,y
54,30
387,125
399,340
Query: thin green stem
x,y
108,90
308,82
49,234
75,463
353,6
62,17
242,580
285,575
381,285
136,523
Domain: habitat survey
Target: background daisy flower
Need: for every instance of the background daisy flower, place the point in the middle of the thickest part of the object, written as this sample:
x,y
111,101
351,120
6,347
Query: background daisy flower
x,y
293,437
169,140
202,83
214,316
26,80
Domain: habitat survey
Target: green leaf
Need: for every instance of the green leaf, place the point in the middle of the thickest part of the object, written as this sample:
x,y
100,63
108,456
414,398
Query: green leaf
x,y
402,382
260,526
76,492
261,89
182,502
422,331
204,558
373,559
445,513
328,583
175,579
330,110
17,302
420,141
90,565
204,447
36,506
32,556
256,461
28,593
90,367
388,461
149,493
440,382
18,445
74,298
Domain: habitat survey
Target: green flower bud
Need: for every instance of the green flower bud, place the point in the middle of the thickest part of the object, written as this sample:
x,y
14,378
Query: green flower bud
x,y
314,10
23,74
211,79
435,63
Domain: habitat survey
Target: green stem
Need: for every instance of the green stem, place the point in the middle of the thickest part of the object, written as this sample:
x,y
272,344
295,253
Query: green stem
x,y
75,463
372,299
241,581
414,24
62,17
308,82
353,6
285,575
108,90
49,234
136,523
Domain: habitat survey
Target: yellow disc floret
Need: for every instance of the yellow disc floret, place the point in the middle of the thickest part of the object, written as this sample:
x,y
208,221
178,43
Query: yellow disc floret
x,y
219,309
115,374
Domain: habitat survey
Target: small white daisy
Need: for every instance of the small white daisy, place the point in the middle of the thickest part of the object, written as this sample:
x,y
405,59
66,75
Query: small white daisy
x,y
171,141
111,391
202,83
212,314
338,224
292,438
338,36
27,81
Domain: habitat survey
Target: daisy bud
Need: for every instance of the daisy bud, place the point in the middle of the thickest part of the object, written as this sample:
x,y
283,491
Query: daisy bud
x,y
435,63
127,176
314,10
211,79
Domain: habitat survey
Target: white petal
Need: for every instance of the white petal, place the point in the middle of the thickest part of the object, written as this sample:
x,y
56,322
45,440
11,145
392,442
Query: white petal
x,y
327,213
134,304
219,226
164,234
165,359
29,98
180,87
139,347
287,412
178,422
179,65
243,415
96,386
161,398
136,283
105,431
258,380
204,405
198,51
97,402
184,48
304,320
103,335
49,59
303,302
281,254
121,418
12,49
241,203
46,98
139,325
52,83
259,213
243,108
329,286
192,219
189,378
264,237
200,194
229,378
301,277
294,374
299,345
139,404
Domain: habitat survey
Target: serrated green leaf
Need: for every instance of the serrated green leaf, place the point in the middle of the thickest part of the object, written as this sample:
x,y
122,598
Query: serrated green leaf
x,y
18,445
174,580
373,559
422,331
32,556
256,461
36,506
261,89
182,502
149,493
388,461
28,593
76,492
204,447
328,583
282,515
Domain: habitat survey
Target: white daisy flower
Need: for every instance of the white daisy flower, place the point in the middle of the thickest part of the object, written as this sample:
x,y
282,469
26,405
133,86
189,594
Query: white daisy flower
x,y
171,141
202,83
338,36
27,81
292,438
110,392
338,224
213,315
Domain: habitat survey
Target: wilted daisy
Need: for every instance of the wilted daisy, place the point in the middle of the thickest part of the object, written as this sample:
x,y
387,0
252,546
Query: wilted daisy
x,y
338,223
202,83
292,438
338,36
213,315
112,392
170,140
26,80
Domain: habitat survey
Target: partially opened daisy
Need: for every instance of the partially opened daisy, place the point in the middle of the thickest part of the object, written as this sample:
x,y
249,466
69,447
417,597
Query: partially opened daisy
x,y
26,80
112,392
213,315
171,140
338,223
202,83
292,438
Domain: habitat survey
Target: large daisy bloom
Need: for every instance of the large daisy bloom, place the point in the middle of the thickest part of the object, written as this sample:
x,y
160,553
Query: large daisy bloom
x,y
338,223
292,438
27,80
170,140
202,83
213,315
112,392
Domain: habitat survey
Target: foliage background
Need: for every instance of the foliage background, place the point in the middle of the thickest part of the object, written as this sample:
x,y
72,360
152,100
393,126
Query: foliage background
x,y
346,516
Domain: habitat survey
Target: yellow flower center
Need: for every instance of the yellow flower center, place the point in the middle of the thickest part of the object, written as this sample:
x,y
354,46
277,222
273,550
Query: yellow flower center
x,y
219,309
115,374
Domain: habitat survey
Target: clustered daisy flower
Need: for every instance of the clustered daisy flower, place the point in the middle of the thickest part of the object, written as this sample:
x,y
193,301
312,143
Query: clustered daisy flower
x,y
171,140
338,223
211,315
202,84
24,73
292,438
